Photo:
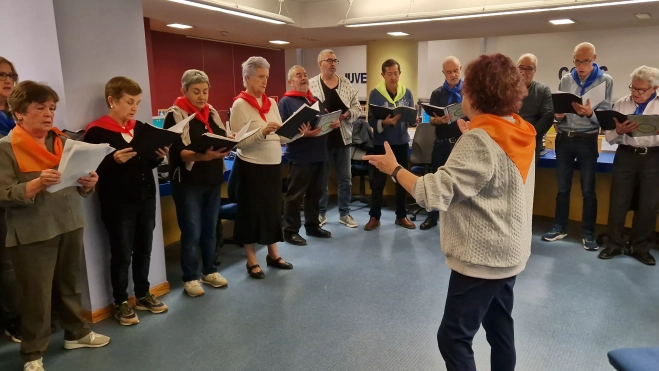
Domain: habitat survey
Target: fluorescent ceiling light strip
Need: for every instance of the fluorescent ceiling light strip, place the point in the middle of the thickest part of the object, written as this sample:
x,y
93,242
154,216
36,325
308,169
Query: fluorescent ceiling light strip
x,y
228,11
511,12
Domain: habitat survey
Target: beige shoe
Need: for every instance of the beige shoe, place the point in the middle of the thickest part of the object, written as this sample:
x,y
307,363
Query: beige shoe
x,y
93,340
125,315
214,279
151,303
193,288
34,365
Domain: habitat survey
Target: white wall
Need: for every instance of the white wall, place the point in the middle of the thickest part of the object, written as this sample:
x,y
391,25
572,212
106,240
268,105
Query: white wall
x,y
432,55
93,49
621,51
352,62
34,50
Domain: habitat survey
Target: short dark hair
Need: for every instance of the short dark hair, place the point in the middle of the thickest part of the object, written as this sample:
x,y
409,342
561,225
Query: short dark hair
x,y
388,63
28,92
118,86
493,85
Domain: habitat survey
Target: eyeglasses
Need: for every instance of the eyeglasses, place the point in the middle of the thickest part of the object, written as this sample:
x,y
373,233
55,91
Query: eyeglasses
x,y
582,63
13,76
331,61
640,91
526,69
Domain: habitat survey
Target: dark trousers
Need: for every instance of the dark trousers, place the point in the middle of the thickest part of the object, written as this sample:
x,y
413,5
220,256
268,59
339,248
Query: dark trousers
x,y
628,168
305,185
8,290
130,230
379,180
197,210
441,150
49,273
584,150
470,302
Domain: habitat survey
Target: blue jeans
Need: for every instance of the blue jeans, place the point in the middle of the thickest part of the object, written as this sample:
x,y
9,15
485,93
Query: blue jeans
x,y
471,302
584,150
197,210
441,150
341,159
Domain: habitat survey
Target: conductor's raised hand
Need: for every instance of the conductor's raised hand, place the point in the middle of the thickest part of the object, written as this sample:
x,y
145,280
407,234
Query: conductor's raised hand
x,y
270,128
463,125
386,163
123,155
391,121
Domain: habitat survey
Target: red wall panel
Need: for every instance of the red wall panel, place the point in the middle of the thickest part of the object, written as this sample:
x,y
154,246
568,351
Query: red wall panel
x,y
173,54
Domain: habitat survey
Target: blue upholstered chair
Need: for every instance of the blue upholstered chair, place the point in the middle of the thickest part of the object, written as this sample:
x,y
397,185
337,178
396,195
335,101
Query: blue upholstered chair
x,y
635,359
228,211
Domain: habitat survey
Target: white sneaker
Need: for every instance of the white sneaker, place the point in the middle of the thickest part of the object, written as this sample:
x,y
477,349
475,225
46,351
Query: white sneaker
x,y
93,340
34,365
322,219
214,279
348,221
193,288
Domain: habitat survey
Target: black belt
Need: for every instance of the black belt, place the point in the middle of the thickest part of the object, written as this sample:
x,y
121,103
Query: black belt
x,y
450,140
638,150
577,134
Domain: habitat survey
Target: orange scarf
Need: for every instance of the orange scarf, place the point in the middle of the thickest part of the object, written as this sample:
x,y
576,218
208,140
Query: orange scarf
x,y
32,156
516,139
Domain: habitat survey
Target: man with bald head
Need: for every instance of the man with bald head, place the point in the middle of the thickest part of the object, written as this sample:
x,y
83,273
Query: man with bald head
x,y
576,138
447,131
537,108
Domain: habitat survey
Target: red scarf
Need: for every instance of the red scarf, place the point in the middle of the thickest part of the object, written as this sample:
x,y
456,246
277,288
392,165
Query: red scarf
x,y
295,93
252,102
108,123
184,104
517,140
32,156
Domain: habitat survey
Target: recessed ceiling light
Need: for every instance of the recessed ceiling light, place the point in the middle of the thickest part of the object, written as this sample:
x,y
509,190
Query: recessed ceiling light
x,y
642,15
561,21
178,25
279,42
397,33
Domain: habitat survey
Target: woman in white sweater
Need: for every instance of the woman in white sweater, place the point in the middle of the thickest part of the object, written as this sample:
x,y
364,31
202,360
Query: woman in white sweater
x,y
484,195
258,167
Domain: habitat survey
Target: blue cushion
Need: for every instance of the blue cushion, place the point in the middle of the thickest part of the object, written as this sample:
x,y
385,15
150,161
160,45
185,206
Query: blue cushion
x,y
418,170
360,166
228,212
635,359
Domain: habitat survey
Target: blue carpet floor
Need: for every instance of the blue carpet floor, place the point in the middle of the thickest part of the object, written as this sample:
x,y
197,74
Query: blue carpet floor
x,y
373,301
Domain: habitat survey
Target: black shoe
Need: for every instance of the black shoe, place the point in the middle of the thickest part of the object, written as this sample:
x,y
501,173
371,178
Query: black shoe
x,y
295,239
318,232
277,263
609,253
589,242
13,330
643,257
428,223
258,275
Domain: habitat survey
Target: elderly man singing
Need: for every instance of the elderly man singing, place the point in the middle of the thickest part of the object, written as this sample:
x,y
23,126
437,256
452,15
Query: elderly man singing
x,y
636,158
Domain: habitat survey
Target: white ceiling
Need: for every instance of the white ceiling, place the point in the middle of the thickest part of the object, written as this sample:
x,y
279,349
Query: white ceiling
x,y
309,14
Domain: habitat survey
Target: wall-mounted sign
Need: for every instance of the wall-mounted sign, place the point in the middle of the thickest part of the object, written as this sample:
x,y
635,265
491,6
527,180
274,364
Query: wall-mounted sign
x,y
356,78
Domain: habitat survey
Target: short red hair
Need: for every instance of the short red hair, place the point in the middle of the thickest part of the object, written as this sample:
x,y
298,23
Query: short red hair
x,y
493,85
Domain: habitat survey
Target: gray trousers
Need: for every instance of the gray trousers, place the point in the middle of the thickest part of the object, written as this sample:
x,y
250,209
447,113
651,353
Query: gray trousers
x,y
49,272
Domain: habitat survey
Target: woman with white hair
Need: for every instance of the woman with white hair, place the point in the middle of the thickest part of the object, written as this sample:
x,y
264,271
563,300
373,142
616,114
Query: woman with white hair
x,y
258,166
196,182
637,157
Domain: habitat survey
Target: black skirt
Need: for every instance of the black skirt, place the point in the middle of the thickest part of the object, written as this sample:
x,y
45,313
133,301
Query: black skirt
x,y
259,203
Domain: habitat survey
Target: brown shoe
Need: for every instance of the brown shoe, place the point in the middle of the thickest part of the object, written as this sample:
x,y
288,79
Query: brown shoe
x,y
372,224
406,223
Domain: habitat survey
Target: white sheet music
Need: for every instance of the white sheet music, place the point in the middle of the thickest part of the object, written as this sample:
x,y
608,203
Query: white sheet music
x,y
78,160
596,95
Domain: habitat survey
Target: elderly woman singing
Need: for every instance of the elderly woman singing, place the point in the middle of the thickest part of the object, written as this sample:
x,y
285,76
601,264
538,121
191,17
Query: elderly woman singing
x,y
44,229
484,195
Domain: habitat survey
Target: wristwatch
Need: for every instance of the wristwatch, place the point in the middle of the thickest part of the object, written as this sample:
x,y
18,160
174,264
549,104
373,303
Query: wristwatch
x,y
395,172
